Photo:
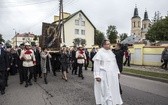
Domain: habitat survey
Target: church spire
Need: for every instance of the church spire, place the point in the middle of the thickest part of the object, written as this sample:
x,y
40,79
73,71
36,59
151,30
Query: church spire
x,y
136,13
146,15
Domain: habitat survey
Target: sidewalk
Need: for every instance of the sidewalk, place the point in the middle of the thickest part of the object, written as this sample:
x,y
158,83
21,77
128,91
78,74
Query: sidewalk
x,y
147,68
153,69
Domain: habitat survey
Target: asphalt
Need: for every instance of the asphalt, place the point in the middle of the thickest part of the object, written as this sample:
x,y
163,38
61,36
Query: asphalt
x,y
136,91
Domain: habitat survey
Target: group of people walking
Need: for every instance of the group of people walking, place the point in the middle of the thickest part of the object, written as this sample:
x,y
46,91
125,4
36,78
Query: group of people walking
x,y
32,62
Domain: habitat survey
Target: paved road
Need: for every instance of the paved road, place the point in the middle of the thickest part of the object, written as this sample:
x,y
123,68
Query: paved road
x,y
136,91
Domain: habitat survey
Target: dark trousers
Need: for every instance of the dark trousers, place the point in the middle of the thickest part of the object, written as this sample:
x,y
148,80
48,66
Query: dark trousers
x,y
74,67
21,74
92,65
127,60
30,71
6,77
164,65
80,70
86,64
37,71
2,81
120,88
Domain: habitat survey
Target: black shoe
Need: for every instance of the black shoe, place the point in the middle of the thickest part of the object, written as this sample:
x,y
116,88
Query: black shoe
x,y
6,85
2,92
30,83
45,80
82,77
26,85
55,74
21,82
35,80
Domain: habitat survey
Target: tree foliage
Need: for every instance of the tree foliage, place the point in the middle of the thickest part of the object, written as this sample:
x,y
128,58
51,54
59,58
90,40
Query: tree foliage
x,y
35,37
123,36
158,31
99,36
1,38
79,41
112,33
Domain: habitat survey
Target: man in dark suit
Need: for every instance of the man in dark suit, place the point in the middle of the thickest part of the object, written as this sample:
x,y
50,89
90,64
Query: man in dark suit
x,y
119,52
4,67
92,54
20,62
37,67
74,61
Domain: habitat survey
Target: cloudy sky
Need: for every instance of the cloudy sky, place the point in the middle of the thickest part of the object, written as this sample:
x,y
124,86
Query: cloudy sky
x,y
27,15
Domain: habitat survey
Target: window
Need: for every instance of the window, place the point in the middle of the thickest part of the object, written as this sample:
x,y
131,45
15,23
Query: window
x,y
144,25
133,24
138,23
76,31
83,23
76,22
80,15
83,32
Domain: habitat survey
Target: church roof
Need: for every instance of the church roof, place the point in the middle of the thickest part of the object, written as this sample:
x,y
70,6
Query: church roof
x,y
145,16
136,15
131,39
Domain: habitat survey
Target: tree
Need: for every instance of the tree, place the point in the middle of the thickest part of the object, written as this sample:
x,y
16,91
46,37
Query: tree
x,y
158,31
35,38
79,41
1,39
112,33
99,36
123,36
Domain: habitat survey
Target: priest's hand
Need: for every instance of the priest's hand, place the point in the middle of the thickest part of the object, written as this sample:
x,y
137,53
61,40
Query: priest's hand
x,y
98,79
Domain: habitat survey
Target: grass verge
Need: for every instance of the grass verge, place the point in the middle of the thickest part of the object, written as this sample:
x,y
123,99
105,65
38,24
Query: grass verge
x,y
146,73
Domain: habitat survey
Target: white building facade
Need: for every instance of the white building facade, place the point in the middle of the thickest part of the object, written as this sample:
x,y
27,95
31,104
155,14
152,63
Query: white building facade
x,y
22,38
79,26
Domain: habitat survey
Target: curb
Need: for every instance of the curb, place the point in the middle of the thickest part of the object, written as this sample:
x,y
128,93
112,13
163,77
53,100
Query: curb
x,y
146,77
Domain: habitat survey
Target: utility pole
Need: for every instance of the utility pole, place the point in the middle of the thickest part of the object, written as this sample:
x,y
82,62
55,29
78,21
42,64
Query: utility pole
x,y
61,22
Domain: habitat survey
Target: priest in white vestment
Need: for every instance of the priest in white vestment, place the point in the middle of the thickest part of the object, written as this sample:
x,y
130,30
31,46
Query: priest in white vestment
x,y
106,75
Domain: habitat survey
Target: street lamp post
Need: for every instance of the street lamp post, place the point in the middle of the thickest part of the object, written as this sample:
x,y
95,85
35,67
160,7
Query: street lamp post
x,y
15,36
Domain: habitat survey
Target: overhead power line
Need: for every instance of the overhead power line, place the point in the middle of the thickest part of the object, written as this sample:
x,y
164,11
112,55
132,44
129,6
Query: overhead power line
x,y
27,4
50,14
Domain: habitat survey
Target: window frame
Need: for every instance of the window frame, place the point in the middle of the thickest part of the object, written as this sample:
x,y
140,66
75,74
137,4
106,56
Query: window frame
x,y
76,31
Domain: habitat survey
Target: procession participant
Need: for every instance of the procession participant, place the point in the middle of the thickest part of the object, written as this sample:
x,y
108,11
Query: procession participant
x,y
74,61
64,63
45,63
106,74
29,60
87,58
37,67
92,54
4,67
20,63
119,53
81,57
14,62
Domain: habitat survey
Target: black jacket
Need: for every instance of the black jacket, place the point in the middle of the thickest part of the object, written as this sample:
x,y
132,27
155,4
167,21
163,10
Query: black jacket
x,y
4,61
119,58
37,56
